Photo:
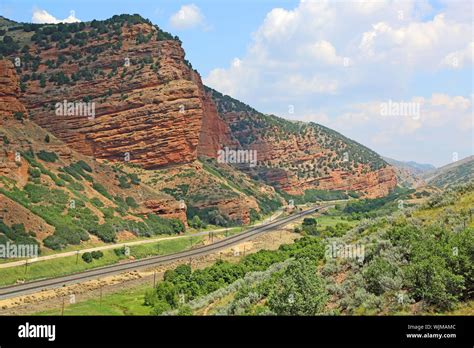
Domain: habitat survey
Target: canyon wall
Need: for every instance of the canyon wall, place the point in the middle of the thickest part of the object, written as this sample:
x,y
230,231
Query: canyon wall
x,y
9,91
148,106
152,110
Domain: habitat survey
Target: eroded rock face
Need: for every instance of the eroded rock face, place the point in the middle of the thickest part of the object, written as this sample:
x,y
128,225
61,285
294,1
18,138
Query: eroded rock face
x,y
296,160
148,112
215,133
166,208
10,164
151,110
371,184
9,91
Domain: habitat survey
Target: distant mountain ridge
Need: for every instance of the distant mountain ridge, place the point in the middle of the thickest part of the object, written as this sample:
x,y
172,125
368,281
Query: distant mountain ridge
x,y
412,166
455,173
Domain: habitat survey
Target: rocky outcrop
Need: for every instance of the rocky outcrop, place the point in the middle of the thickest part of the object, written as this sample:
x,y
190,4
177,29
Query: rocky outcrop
x,y
215,133
295,157
9,91
147,105
151,109
169,209
11,163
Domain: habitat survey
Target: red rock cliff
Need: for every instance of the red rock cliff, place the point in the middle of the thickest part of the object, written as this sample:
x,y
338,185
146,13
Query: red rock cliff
x,y
148,104
9,91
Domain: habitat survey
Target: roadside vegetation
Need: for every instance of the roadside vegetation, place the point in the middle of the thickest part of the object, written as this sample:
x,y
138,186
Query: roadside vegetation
x,y
417,260
410,264
84,261
76,216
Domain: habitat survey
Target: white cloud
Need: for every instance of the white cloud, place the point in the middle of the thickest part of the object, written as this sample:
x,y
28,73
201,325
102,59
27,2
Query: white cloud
x,y
417,44
378,41
460,58
42,16
324,52
327,57
444,125
441,110
188,17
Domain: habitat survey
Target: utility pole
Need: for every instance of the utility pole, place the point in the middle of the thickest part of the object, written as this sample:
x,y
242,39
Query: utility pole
x,y
154,279
100,303
62,308
77,257
26,266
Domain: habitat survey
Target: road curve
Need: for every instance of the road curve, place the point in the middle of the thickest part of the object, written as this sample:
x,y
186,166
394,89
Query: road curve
x,y
51,283
123,244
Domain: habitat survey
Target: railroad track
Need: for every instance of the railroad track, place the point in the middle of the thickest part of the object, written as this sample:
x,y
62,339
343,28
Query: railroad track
x,y
52,283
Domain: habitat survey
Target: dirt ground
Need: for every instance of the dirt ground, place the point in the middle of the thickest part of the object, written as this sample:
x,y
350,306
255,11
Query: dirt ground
x,y
53,299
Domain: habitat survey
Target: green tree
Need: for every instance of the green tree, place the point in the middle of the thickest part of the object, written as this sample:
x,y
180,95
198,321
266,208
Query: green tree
x,y
196,222
87,257
299,291
42,81
430,280
160,307
19,116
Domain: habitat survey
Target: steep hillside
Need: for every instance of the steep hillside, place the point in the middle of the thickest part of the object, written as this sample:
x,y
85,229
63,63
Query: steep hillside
x,y
121,90
296,156
150,107
452,174
207,194
217,193
5,22
148,101
56,196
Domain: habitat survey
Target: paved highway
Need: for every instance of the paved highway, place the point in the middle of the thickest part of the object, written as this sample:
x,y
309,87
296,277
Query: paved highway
x,y
51,283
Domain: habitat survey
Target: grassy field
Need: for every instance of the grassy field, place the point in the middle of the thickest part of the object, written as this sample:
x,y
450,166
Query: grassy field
x,y
126,302
73,264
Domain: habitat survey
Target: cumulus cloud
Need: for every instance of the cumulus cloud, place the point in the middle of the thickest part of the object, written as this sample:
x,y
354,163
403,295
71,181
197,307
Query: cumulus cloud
x,y
445,118
331,57
417,44
188,17
43,16
460,58
320,39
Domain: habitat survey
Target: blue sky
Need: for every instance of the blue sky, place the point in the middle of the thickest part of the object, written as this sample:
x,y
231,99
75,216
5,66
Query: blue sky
x,y
227,34
332,62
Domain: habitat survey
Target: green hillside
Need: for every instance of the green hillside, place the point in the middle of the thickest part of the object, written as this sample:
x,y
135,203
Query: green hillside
x,y
453,174
253,126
